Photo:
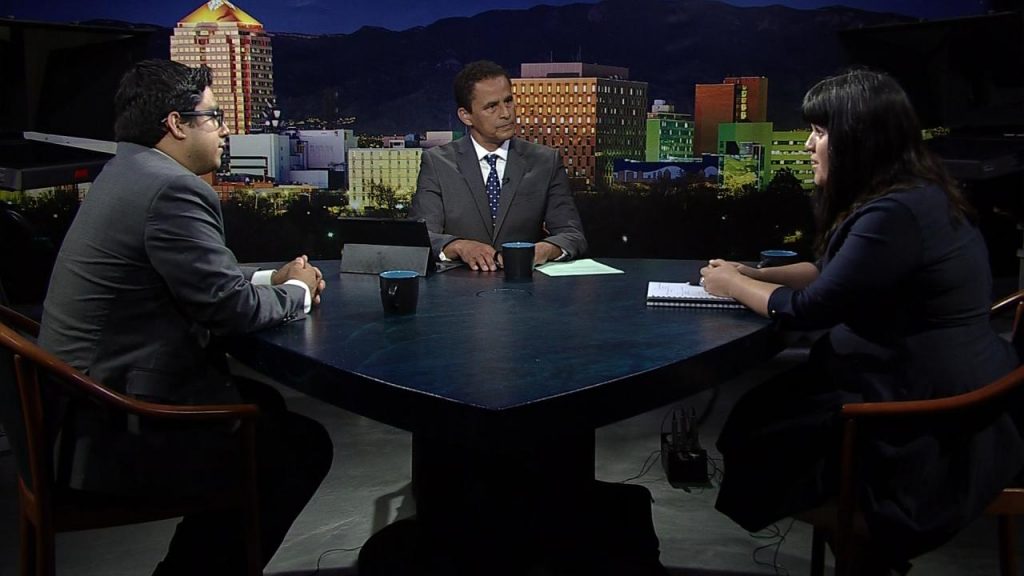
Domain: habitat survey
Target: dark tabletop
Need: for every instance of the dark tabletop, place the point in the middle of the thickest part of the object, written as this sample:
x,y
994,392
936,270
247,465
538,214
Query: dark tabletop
x,y
583,347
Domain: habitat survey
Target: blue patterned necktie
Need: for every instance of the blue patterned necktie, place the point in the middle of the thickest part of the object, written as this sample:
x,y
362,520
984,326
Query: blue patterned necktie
x,y
493,185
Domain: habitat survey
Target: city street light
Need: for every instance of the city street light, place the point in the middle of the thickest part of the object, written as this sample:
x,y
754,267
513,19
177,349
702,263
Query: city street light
x,y
272,119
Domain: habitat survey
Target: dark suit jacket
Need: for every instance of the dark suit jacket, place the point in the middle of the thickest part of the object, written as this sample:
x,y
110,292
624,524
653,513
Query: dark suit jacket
x,y
535,197
144,279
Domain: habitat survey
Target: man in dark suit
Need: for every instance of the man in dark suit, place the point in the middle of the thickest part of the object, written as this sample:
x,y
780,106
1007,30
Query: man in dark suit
x,y
142,290
489,188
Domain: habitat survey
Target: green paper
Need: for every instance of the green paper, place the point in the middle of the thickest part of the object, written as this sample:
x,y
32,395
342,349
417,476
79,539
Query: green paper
x,y
584,267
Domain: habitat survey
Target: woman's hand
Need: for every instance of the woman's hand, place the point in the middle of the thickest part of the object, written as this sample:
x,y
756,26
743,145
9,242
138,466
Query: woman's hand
x,y
720,276
733,280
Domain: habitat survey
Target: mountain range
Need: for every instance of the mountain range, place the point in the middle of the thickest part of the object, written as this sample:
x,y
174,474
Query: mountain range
x,y
400,81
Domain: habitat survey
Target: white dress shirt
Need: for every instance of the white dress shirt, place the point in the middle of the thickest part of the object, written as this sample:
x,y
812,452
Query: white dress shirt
x,y
485,167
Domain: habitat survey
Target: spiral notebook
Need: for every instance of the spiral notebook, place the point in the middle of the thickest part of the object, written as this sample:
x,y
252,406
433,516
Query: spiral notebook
x,y
686,295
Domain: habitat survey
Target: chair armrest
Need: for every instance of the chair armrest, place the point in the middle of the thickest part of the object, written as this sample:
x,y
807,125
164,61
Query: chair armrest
x,y
177,412
975,398
1008,301
19,321
68,377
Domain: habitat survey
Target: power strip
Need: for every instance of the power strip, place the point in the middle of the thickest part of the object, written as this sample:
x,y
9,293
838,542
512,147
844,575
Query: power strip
x,y
684,461
684,467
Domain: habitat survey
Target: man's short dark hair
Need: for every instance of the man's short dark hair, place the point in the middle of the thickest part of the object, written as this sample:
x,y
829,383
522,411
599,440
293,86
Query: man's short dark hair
x,y
151,90
466,79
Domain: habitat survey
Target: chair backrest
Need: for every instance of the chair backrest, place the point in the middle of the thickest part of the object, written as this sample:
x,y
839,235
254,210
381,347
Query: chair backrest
x,y
988,401
21,409
1017,336
1015,302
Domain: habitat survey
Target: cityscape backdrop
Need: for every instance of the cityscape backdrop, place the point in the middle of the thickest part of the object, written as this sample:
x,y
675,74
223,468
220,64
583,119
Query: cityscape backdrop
x,y
677,119
331,17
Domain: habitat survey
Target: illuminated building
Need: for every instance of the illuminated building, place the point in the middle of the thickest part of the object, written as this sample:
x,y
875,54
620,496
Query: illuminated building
x,y
234,45
669,134
787,152
592,114
751,98
265,156
736,99
396,168
753,152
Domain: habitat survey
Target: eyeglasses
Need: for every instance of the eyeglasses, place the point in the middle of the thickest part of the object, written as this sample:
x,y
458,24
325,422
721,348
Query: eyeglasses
x,y
217,115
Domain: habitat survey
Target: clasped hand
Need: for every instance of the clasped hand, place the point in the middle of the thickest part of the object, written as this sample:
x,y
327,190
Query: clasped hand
x,y
300,269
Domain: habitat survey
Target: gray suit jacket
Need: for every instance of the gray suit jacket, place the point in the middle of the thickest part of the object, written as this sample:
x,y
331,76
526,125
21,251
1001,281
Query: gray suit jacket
x,y
144,279
536,203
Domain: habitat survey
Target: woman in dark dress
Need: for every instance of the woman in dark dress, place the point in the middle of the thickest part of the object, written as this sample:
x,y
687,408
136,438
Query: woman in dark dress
x,y
903,287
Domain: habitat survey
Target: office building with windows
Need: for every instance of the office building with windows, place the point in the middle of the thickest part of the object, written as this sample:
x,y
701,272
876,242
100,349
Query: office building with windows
x,y
395,168
736,99
787,152
592,114
752,152
669,134
235,46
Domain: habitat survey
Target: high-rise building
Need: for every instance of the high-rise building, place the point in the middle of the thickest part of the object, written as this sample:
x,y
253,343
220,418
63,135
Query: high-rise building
x,y
669,134
751,98
736,99
267,156
395,168
743,147
234,45
592,114
753,152
787,152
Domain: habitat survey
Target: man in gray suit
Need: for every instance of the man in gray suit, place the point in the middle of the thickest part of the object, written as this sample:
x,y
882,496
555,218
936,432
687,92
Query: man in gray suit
x,y
489,188
142,290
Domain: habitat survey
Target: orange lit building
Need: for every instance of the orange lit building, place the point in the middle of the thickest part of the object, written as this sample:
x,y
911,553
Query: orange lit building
x,y
752,98
736,99
592,114
234,45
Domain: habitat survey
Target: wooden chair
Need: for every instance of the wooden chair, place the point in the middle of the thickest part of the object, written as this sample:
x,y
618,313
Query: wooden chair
x,y
1008,504
47,506
19,322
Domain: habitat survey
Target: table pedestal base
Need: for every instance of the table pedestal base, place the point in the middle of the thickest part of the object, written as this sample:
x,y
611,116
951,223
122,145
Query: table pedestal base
x,y
515,506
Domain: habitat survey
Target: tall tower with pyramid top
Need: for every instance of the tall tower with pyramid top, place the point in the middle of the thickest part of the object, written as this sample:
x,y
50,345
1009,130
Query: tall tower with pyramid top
x,y
235,46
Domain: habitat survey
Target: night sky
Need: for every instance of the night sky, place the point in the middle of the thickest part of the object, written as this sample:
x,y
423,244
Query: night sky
x,y
331,16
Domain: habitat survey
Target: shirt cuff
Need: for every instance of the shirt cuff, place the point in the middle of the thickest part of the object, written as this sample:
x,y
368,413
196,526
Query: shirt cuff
x,y
563,257
442,257
262,277
307,302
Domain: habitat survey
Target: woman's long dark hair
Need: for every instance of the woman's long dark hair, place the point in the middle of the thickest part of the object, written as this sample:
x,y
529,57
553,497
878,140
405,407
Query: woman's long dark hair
x,y
874,147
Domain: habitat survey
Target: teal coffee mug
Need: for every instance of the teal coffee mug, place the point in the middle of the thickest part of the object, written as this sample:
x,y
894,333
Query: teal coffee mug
x,y
770,258
399,291
517,259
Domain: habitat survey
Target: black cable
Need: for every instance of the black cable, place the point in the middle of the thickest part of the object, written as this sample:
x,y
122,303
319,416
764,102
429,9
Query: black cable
x,y
331,551
661,428
709,406
646,467
773,532
715,476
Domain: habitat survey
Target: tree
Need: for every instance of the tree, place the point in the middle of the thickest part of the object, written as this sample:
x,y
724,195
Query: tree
x,y
388,202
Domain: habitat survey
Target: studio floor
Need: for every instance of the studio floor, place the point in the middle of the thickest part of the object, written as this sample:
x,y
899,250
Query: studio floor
x,y
369,487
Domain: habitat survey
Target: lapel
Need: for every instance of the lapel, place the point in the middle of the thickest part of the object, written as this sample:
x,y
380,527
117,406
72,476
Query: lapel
x,y
515,166
469,166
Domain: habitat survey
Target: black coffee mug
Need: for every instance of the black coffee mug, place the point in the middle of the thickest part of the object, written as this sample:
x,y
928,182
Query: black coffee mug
x,y
770,258
399,291
517,259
